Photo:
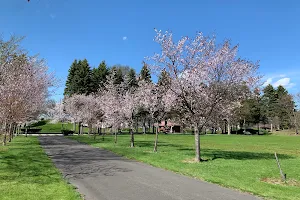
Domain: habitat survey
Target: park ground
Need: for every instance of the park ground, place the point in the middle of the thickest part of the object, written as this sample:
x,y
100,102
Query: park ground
x,y
241,162
27,173
246,163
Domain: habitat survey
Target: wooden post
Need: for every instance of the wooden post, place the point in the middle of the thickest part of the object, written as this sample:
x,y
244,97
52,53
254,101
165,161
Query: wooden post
x,y
283,176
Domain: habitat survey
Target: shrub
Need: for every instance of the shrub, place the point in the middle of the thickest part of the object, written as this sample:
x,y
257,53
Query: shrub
x,y
67,132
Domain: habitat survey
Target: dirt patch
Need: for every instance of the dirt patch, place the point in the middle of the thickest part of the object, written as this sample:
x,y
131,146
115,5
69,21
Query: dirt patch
x,y
277,181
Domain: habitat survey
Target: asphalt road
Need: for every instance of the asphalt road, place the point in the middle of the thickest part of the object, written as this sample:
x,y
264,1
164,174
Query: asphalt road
x,y
102,175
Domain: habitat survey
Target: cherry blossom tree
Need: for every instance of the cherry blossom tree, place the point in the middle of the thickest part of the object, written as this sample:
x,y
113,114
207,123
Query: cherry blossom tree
x,y
86,109
203,75
24,85
157,100
121,106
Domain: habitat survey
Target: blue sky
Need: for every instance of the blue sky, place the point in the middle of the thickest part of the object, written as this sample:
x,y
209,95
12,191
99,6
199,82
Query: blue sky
x,y
121,32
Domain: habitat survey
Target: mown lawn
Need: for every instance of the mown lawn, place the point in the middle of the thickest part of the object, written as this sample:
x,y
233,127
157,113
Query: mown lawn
x,y
27,173
48,127
240,162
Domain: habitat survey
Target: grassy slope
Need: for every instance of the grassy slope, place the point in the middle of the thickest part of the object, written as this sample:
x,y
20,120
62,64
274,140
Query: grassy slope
x,y
56,127
27,173
234,161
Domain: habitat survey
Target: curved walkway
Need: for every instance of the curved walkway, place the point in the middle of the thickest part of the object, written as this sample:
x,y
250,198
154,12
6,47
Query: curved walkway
x,y
100,174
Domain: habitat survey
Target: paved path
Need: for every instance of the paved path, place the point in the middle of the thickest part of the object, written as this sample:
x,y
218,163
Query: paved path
x,y
100,174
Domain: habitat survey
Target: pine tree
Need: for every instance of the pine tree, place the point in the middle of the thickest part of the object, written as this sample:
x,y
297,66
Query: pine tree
x,y
164,79
145,73
99,76
131,81
285,107
118,76
69,89
79,78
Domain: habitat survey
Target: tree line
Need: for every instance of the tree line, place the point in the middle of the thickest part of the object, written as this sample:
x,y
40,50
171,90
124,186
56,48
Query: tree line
x,y
24,87
82,79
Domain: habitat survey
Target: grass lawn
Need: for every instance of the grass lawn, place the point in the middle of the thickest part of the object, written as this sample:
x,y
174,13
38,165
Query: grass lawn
x,y
48,127
27,173
240,162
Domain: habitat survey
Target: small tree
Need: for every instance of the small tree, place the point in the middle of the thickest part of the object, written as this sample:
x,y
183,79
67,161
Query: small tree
x,y
157,100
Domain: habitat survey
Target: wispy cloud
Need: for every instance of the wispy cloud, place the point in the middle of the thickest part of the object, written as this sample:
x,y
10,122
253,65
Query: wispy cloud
x,y
124,38
268,81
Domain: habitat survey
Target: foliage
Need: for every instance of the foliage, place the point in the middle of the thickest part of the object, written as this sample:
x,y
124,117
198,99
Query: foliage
x,y
145,73
79,79
98,78
67,132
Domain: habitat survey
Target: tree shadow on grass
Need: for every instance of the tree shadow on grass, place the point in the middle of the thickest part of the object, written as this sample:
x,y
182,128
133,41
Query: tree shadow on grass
x,y
214,154
160,144
27,165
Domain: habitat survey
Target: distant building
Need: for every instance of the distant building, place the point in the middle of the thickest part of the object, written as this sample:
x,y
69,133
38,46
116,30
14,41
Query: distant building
x,y
168,126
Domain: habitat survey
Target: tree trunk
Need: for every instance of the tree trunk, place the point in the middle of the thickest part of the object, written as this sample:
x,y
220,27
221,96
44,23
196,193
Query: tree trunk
x,y
271,127
153,128
258,127
4,135
4,138
26,131
228,127
197,143
10,132
95,133
90,129
149,125
244,125
131,137
116,137
79,129
295,123
156,139
144,126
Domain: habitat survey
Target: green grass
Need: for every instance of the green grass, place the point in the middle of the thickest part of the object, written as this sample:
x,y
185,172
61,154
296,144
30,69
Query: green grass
x,y
27,173
48,127
239,162
284,132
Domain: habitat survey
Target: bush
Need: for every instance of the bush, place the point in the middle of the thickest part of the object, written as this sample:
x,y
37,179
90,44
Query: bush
x,y
67,132
39,123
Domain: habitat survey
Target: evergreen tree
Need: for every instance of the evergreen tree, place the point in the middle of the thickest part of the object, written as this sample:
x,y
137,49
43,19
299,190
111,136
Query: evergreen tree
x,y
145,73
269,102
285,107
69,89
131,81
99,76
164,79
79,78
118,75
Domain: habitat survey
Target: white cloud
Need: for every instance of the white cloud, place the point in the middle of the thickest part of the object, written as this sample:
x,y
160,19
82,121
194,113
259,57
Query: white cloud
x,y
285,82
124,38
279,80
268,81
